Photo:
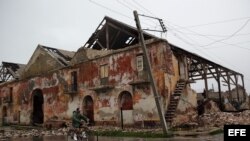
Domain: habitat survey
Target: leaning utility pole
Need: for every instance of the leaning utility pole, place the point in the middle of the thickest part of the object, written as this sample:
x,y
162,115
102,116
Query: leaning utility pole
x,y
148,66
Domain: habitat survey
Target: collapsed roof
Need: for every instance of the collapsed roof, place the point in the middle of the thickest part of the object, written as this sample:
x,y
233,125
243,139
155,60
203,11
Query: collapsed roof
x,y
113,34
63,56
10,71
52,58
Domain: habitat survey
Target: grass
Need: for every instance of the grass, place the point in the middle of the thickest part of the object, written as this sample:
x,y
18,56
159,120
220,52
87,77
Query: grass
x,y
218,131
120,133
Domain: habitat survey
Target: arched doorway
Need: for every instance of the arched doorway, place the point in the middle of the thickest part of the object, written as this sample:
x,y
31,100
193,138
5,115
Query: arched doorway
x,y
126,108
4,114
126,102
88,108
37,114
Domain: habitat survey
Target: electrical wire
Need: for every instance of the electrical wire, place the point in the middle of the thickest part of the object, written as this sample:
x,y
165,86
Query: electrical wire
x,y
218,22
206,36
129,7
117,12
214,35
227,45
151,13
125,5
107,8
233,34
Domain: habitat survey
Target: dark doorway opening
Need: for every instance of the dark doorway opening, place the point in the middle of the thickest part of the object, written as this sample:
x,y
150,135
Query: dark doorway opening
x,y
37,115
4,114
88,108
126,101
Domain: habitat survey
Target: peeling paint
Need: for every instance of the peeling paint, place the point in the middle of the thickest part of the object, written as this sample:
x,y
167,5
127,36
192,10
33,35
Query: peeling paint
x,y
123,77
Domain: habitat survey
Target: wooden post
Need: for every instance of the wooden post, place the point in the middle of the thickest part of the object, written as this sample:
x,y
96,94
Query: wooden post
x,y
107,35
205,79
219,87
148,66
229,87
237,89
243,85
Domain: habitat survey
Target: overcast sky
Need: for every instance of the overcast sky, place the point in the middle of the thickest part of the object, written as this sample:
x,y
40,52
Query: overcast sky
x,y
215,29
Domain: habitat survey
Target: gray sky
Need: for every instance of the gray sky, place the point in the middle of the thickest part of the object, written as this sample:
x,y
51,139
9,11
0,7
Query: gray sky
x,y
215,29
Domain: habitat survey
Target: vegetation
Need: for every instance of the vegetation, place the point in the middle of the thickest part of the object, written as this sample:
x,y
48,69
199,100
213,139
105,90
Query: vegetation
x,y
218,131
120,133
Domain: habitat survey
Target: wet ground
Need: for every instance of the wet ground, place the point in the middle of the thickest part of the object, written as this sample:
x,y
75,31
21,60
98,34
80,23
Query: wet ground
x,y
218,137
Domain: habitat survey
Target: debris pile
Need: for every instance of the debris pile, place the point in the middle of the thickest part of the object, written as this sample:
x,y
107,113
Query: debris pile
x,y
219,119
13,133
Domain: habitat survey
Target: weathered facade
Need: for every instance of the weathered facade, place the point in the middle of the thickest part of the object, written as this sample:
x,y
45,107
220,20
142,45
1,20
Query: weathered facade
x,y
104,78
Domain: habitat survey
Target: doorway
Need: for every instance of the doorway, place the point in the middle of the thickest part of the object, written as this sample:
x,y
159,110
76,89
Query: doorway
x,y
4,114
88,108
126,102
37,114
126,108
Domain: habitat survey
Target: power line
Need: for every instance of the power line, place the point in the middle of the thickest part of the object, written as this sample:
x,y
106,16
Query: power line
x,y
144,8
162,26
218,22
214,35
107,8
231,44
124,5
114,11
117,12
128,7
207,24
238,30
207,37
213,54
194,46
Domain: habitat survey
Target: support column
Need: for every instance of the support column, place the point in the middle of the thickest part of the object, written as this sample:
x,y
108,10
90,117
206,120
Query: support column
x,y
219,87
107,36
205,80
237,88
243,85
229,87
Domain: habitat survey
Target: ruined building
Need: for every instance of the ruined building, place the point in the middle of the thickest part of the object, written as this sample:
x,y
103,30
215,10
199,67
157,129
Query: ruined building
x,y
104,78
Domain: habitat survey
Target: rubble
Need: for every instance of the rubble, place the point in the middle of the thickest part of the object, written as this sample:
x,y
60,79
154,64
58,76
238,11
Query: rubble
x,y
229,107
219,119
12,132
212,118
210,106
244,105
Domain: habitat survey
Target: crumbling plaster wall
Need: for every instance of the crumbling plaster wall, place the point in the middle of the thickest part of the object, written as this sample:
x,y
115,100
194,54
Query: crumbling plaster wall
x,y
186,108
55,102
40,63
122,71
171,81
